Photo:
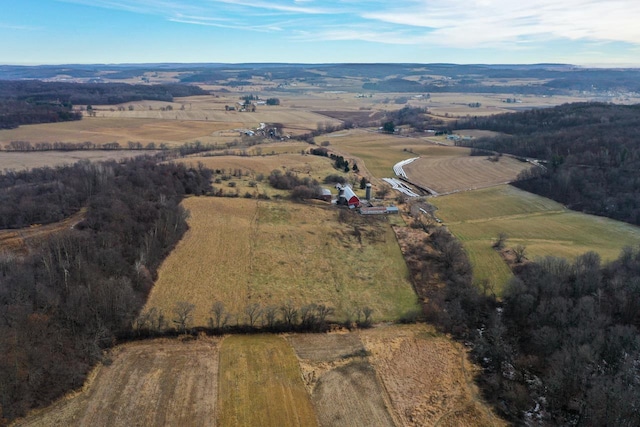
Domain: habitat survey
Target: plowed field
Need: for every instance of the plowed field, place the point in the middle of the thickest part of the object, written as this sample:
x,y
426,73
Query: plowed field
x,y
152,383
390,375
456,173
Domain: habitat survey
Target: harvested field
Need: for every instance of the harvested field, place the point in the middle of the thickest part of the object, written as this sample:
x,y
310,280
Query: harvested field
x,y
451,174
241,251
343,385
37,159
261,385
151,383
390,375
542,225
101,130
427,376
350,396
380,152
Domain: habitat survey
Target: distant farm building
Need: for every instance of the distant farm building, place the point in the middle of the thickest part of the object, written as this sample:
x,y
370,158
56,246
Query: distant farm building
x,y
325,194
347,197
379,210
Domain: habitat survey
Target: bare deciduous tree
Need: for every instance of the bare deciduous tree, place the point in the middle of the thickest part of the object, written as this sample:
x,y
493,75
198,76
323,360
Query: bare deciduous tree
x,y
183,312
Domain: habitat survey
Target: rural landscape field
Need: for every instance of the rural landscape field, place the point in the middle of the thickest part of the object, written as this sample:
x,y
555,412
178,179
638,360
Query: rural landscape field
x,y
246,301
543,226
392,375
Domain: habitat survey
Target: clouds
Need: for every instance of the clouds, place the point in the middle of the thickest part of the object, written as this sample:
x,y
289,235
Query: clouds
x,y
484,23
545,30
453,23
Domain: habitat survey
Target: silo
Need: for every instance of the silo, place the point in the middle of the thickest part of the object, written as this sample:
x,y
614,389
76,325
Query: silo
x,y
368,191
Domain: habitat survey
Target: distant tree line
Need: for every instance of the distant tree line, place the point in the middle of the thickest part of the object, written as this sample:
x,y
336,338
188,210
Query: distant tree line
x,y
24,102
591,150
14,113
79,289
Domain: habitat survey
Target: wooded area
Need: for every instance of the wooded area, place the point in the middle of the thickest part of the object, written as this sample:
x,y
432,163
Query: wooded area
x,y
561,348
80,288
592,152
32,101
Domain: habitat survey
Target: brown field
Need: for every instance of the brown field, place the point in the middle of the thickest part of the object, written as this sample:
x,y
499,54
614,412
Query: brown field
x,y
19,241
260,384
102,130
151,383
404,375
427,376
451,174
242,251
343,385
37,159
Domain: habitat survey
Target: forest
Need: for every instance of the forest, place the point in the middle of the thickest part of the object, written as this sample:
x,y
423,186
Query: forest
x,y
78,290
31,101
591,150
14,113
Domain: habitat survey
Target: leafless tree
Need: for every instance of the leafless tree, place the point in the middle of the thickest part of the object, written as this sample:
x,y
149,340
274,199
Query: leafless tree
x,y
253,313
520,251
183,312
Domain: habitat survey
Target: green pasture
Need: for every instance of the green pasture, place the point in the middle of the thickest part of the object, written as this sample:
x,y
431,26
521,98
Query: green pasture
x,y
543,226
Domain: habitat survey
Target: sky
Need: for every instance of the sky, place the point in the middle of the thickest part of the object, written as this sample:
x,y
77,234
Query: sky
x,y
581,32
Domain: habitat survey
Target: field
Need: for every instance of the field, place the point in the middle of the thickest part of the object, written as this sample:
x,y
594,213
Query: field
x,y
260,384
462,173
542,225
28,160
380,152
251,167
402,375
344,386
428,378
242,251
160,382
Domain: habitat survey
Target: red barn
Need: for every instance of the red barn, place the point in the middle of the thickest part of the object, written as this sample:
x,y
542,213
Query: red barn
x,y
347,196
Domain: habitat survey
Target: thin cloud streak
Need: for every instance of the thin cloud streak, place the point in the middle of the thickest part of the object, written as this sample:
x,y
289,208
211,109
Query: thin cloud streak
x,y
466,23
444,23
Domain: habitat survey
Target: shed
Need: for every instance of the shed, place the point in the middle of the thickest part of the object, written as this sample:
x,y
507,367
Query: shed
x,y
393,210
325,194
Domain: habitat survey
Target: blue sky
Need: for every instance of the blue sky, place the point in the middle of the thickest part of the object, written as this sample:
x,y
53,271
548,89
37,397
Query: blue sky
x,y
584,32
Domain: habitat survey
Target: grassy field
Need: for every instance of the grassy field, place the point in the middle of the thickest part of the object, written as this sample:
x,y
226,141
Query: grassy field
x,y
260,384
151,383
462,173
542,225
242,251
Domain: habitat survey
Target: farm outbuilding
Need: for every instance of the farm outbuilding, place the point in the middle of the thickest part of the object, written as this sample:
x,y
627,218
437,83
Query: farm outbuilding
x,y
325,194
347,197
